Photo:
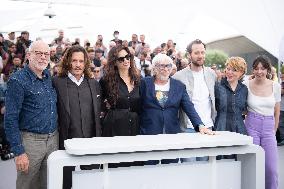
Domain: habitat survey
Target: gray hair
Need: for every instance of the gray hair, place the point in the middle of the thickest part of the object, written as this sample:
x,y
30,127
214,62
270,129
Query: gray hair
x,y
161,58
35,44
158,59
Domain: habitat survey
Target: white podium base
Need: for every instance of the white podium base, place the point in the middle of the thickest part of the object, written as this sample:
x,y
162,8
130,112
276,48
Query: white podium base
x,y
247,173
177,175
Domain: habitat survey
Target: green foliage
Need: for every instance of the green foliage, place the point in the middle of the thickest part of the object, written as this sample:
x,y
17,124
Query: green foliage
x,y
217,57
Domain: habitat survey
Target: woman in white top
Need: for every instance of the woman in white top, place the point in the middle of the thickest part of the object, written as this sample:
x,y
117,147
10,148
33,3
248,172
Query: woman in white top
x,y
264,98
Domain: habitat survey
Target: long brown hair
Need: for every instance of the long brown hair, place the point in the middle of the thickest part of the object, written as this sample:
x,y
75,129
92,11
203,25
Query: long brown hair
x,y
65,63
112,75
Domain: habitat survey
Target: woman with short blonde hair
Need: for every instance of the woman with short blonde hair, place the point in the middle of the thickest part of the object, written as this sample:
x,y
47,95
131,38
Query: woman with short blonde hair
x,y
231,97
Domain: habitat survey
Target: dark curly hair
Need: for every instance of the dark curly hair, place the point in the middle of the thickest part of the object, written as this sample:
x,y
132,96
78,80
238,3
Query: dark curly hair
x,y
65,63
111,77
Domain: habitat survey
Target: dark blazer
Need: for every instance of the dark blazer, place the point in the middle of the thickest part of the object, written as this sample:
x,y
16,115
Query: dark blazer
x,y
63,108
156,119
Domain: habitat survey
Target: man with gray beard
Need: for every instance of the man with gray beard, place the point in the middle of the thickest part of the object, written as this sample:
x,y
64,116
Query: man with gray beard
x,y
31,118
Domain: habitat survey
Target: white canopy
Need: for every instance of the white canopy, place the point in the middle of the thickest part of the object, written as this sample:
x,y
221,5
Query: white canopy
x,y
262,21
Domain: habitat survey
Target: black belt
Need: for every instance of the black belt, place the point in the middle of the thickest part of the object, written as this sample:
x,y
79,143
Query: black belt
x,y
39,135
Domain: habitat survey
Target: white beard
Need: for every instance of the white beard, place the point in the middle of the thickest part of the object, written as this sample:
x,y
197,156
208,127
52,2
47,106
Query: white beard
x,y
163,78
41,67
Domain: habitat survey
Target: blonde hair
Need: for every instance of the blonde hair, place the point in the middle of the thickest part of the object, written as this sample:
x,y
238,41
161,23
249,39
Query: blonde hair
x,y
237,63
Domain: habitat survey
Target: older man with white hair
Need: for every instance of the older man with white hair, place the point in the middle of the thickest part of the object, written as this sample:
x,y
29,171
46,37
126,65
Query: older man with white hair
x,y
162,97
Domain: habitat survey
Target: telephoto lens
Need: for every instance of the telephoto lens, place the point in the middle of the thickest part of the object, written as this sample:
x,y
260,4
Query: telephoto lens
x,y
5,152
7,156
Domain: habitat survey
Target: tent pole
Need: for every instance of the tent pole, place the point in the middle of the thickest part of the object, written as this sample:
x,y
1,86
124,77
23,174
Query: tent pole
x,y
279,71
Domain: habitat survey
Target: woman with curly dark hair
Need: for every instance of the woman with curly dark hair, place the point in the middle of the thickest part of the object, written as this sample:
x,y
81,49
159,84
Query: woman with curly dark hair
x,y
120,90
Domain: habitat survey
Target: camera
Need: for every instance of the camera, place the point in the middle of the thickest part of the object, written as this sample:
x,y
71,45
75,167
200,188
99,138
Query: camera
x,y
169,52
5,152
144,66
75,43
88,44
7,156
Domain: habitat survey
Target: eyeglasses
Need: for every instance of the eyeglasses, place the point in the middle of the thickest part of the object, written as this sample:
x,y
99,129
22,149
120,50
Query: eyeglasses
x,y
163,66
121,59
39,53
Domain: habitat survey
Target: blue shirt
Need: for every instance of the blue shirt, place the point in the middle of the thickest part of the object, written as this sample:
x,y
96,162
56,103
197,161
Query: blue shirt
x,y
30,106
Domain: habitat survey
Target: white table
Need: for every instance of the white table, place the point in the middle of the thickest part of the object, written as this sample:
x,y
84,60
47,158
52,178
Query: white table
x,y
84,151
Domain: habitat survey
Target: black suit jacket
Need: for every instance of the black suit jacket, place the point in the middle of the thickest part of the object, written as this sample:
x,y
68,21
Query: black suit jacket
x,y
63,108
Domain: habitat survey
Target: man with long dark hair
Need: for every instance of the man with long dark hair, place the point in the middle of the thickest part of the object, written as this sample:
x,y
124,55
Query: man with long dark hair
x,y
78,102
